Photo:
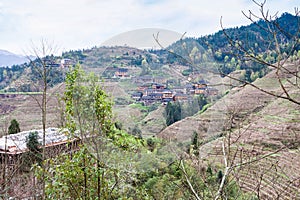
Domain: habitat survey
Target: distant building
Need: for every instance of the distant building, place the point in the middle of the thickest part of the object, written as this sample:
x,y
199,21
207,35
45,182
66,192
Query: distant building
x,y
122,73
149,79
167,96
179,89
181,97
66,62
159,79
156,96
157,86
212,91
196,88
137,96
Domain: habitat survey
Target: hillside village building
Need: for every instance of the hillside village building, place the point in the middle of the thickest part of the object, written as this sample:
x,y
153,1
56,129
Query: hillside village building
x,y
149,93
13,146
122,73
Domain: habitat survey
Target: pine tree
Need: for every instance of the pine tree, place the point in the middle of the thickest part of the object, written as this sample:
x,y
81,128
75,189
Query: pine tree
x,y
14,127
33,147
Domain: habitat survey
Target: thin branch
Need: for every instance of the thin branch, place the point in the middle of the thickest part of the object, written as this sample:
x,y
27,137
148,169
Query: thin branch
x,y
226,173
188,181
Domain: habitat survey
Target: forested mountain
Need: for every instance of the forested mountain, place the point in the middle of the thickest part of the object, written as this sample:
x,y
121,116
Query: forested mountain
x,y
224,47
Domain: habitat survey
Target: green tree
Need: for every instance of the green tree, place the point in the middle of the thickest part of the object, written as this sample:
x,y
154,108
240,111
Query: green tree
x,y
96,171
33,145
88,107
33,154
195,143
172,113
14,127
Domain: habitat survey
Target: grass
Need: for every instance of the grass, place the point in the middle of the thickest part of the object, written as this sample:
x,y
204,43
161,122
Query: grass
x,y
204,108
139,106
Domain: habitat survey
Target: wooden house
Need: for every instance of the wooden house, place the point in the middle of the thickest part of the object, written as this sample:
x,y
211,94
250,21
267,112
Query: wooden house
x,y
13,146
122,73
137,96
212,91
181,97
157,86
167,94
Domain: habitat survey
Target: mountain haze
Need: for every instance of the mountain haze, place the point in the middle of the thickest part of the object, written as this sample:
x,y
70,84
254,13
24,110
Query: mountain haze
x,y
143,38
8,59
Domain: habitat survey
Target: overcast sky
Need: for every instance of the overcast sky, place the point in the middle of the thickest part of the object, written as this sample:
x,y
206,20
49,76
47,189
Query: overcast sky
x,y
78,24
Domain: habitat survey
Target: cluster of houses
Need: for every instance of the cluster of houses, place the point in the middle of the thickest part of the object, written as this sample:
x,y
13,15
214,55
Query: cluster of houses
x,y
149,93
65,62
116,72
153,89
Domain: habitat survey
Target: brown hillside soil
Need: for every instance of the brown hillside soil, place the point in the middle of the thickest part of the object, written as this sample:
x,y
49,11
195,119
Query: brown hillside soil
x,y
153,123
275,130
264,136
27,111
127,115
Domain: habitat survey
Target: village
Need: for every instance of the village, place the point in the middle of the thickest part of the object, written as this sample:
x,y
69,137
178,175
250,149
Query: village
x,y
151,89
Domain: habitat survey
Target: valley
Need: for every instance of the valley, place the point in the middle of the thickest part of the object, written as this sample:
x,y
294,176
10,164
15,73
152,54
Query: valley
x,y
206,116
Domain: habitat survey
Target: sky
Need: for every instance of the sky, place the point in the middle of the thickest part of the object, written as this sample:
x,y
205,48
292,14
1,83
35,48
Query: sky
x,y
82,24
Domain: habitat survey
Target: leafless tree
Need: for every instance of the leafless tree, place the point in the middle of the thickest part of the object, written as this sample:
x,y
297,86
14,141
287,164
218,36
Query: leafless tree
x,y
41,66
285,69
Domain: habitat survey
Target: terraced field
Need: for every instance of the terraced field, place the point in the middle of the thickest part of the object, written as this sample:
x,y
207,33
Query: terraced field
x,y
261,134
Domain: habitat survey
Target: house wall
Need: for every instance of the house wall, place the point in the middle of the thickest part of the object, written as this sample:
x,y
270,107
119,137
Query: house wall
x,y
13,160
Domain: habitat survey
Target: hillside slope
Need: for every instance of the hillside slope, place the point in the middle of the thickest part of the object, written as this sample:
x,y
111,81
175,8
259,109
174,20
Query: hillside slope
x,y
258,125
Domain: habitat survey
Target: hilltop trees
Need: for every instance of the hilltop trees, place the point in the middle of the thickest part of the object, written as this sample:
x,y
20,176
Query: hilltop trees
x,y
280,40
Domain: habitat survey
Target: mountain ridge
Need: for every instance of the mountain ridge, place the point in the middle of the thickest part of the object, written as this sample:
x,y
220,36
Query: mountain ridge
x,y
8,58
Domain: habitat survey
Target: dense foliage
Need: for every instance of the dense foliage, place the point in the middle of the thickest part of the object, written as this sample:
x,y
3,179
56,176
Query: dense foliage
x,y
175,111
